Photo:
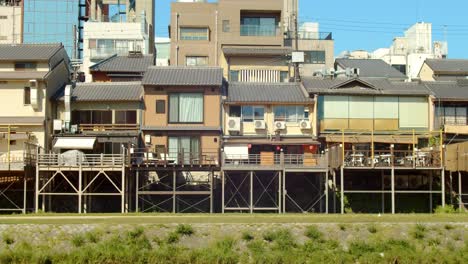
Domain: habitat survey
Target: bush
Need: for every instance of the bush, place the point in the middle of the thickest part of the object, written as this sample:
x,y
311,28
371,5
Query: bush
x,y
247,236
342,227
185,230
93,236
172,238
313,233
78,240
372,229
8,239
448,209
282,239
419,231
448,227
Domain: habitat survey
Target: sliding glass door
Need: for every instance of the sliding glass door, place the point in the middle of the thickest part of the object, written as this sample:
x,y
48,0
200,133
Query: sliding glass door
x,y
184,149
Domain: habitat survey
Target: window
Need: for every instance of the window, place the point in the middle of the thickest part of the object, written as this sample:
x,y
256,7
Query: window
x,y
160,106
109,148
186,108
314,57
454,115
25,66
284,76
258,26
92,43
12,142
101,117
247,113
289,113
226,26
187,33
184,148
196,61
234,76
27,96
126,117
3,17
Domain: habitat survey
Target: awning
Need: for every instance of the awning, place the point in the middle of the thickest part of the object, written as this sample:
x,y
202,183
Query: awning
x,y
238,152
75,143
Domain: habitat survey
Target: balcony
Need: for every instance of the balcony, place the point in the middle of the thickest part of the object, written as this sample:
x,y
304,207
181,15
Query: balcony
x,y
18,160
308,35
104,53
271,161
392,158
259,30
79,159
163,157
97,128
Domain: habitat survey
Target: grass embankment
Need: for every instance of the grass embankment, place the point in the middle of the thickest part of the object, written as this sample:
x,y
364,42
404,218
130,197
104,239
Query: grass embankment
x,y
345,242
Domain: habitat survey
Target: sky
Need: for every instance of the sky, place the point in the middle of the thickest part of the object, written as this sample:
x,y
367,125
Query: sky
x,y
372,24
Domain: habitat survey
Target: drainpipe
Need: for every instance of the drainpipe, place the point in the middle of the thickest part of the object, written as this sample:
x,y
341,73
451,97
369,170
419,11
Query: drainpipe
x,y
177,39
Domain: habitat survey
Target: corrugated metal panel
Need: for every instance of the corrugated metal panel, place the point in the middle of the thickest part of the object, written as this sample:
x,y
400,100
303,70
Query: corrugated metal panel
x,y
361,107
336,106
414,112
385,107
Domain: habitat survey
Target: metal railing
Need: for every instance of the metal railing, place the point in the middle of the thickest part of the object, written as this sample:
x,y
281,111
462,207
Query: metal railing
x,y
204,157
286,160
308,35
19,159
102,53
392,158
77,159
259,30
107,127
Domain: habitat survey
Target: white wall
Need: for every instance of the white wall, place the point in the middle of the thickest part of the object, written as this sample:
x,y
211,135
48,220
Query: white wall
x,y
10,28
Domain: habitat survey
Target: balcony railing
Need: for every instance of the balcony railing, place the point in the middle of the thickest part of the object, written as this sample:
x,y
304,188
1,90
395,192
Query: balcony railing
x,y
19,159
148,157
307,35
103,53
276,160
78,159
108,127
259,30
395,158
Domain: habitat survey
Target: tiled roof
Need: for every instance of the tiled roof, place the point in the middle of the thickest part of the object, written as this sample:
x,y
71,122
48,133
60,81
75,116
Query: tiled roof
x,y
450,91
28,52
363,86
267,93
124,64
184,76
247,51
371,68
22,75
110,91
448,65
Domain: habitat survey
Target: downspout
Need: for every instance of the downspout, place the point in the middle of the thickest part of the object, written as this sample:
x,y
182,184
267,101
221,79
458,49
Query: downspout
x,y
177,40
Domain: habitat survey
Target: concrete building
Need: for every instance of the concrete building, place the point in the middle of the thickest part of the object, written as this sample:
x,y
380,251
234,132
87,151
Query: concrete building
x,y
407,53
163,51
11,16
250,40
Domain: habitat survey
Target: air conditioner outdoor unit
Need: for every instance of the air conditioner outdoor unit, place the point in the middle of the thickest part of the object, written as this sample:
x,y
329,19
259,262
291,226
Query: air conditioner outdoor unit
x,y
58,125
305,124
260,124
74,129
234,124
148,139
280,125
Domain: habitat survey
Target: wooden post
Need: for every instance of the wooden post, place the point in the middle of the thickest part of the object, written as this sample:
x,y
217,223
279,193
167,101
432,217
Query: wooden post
x,y
442,186
222,191
137,189
326,192
342,190
279,192
393,190
251,192
372,148
174,189
460,197
80,189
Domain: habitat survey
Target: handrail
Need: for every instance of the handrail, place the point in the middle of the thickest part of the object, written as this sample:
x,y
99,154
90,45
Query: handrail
x,y
90,160
165,157
108,127
289,160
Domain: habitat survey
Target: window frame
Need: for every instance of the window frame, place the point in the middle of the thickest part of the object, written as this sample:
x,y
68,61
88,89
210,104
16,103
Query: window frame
x,y
197,58
181,37
254,117
27,66
309,59
178,108
27,95
159,102
299,116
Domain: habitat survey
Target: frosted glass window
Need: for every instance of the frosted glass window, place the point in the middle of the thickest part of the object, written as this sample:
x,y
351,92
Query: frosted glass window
x,y
361,107
414,112
335,107
386,108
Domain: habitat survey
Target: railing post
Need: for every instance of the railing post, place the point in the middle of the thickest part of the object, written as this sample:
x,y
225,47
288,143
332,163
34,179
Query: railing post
x,y
102,159
282,158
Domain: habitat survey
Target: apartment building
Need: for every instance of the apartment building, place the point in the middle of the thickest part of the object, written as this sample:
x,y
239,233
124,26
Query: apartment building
x,y
11,17
250,40
29,76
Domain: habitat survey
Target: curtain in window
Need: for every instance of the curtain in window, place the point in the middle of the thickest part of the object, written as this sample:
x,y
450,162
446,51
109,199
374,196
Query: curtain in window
x,y
191,108
461,116
450,115
173,147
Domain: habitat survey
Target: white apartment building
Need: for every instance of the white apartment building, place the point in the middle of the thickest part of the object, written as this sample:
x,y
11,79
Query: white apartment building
x,y
11,19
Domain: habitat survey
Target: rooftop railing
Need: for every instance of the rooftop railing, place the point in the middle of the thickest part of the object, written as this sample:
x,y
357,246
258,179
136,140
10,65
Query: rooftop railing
x,y
276,160
259,30
79,159
162,157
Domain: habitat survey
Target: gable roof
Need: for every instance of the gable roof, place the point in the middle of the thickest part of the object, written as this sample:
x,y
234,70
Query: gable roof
x,y
124,64
183,76
364,86
370,68
448,65
267,93
28,52
109,91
